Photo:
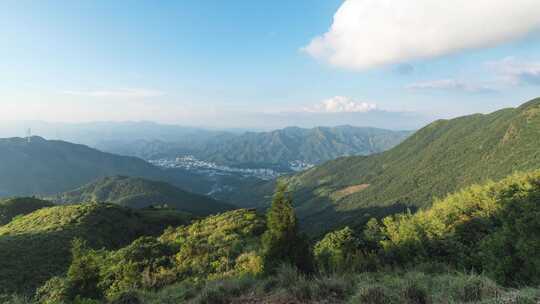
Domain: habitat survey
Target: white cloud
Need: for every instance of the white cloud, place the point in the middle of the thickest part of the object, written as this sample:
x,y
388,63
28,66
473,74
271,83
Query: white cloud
x,y
341,104
450,85
118,93
516,72
368,33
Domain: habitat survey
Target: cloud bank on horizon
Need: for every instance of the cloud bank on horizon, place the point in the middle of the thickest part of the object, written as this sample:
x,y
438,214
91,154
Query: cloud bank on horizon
x,y
341,104
370,33
117,93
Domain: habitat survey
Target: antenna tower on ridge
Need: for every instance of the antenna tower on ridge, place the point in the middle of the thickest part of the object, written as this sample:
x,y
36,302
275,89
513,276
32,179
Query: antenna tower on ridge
x,y
29,135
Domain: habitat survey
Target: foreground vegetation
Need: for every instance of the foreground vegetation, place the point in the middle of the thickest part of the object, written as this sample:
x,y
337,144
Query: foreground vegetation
x,y
428,284
36,246
288,285
11,208
478,245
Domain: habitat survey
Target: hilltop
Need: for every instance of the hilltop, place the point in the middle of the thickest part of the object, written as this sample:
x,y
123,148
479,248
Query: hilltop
x,y
219,246
11,208
36,246
139,193
42,166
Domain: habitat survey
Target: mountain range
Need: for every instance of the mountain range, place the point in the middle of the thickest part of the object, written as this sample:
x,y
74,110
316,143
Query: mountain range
x,y
313,146
228,147
38,166
275,149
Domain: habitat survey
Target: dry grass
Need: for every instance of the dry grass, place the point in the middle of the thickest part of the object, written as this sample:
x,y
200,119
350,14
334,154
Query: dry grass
x,y
350,190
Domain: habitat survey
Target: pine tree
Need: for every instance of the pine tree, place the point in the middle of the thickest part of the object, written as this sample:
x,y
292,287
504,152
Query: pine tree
x,y
280,241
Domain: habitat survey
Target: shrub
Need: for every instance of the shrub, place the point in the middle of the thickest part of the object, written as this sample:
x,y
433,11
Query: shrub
x,y
491,228
56,290
129,297
249,263
286,275
510,253
14,299
217,247
83,273
337,252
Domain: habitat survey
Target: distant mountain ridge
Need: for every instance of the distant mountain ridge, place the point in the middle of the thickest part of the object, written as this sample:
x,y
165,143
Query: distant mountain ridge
x,y
276,148
48,167
313,146
39,167
442,157
139,193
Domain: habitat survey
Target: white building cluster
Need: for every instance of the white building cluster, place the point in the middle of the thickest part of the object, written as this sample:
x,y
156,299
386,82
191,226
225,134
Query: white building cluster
x,y
193,164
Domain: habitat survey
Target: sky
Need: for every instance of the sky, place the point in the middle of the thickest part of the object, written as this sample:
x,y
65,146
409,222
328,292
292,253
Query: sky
x,y
241,63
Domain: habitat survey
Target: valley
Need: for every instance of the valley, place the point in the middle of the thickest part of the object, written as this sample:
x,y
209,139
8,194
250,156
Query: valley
x,y
270,152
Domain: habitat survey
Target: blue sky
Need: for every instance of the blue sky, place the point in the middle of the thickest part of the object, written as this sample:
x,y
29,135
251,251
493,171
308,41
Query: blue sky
x,y
207,63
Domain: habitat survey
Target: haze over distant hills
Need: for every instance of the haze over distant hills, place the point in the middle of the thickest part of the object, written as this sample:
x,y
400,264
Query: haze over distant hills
x,y
46,167
40,166
98,134
278,147
275,148
92,133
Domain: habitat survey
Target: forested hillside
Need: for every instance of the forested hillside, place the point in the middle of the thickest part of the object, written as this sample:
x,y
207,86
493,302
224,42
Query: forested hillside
x,y
11,208
221,246
139,193
491,228
238,257
440,158
36,246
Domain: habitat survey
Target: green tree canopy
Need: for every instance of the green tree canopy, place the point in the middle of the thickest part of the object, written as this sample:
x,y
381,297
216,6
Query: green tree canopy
x,y
281,243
